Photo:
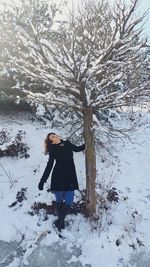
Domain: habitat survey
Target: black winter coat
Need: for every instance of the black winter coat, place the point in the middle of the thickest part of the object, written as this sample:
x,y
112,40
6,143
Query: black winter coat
x,y
64,176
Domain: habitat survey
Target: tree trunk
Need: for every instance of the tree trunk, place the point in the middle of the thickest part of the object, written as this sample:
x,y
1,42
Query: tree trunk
x,y
90,161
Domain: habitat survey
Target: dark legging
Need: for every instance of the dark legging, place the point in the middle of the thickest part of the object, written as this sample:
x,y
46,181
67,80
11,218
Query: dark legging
x,y
68,196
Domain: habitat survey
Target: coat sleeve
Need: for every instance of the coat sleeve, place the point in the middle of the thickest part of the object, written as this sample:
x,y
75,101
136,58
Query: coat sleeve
x,y
77,148
48,167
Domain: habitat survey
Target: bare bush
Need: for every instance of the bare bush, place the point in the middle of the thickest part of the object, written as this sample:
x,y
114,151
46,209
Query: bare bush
x,y
21,195
15,148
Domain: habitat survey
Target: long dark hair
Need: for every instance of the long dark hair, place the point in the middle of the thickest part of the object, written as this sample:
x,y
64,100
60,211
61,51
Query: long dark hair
x,y
48,143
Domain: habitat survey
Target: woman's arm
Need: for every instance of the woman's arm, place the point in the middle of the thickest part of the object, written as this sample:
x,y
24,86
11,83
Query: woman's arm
x,y
77,148
47,170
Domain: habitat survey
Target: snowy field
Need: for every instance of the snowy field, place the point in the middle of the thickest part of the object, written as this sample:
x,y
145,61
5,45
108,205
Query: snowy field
x,y
122,239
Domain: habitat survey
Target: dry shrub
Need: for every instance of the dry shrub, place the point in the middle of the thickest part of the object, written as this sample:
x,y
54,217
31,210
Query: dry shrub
x,y
16,147
21,195
38,207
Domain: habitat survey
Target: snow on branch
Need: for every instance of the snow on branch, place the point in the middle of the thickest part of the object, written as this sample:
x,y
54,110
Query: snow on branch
x,y
96,57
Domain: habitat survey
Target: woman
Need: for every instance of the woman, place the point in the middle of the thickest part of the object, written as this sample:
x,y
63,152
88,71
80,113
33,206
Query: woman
x,y
64,178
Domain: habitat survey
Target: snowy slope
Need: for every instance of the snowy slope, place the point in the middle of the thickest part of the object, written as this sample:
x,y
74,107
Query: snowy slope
x,y
124,228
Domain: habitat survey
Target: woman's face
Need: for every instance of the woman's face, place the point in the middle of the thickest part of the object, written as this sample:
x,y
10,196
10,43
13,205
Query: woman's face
x,y
54,138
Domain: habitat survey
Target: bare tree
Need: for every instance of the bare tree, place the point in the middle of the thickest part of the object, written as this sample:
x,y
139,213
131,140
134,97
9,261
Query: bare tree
x,y
92,63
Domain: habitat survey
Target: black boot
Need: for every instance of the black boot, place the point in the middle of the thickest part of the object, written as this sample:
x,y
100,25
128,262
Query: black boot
x,y
59,223
59,215
58,208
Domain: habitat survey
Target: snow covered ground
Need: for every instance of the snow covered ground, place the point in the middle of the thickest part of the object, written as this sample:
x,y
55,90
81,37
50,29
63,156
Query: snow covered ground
x,y
122,239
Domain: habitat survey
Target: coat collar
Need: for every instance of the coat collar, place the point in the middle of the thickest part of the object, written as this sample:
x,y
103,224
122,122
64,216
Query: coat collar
x,y
61,141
